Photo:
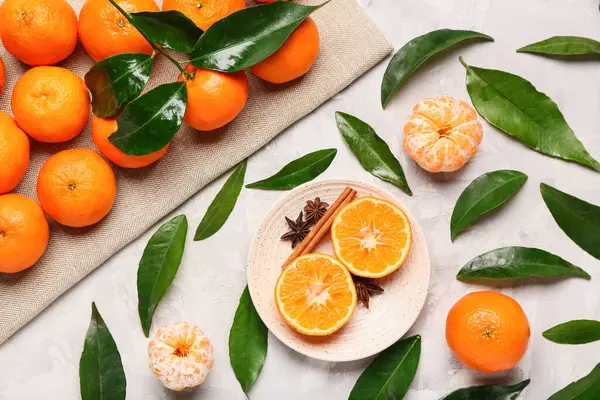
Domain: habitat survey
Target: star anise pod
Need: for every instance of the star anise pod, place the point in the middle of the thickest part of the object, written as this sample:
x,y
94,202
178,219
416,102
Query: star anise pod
x,y
365,288
298,230
315,209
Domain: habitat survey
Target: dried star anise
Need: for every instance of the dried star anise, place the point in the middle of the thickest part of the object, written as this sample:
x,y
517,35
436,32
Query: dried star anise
x,y
365,288
298,230
315,209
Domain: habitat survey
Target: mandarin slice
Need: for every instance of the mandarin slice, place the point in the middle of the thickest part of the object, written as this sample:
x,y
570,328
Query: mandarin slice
x,y
315,295
372,237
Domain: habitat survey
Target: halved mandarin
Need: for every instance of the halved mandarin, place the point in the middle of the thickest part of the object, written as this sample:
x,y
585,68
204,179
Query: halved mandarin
x,y
371,237
442,134
315,295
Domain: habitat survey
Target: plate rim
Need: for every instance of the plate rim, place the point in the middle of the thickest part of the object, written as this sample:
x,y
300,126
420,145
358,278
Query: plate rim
x,y
347,182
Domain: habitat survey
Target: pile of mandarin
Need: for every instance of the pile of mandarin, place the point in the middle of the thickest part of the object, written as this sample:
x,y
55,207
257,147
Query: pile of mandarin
x,y
77,187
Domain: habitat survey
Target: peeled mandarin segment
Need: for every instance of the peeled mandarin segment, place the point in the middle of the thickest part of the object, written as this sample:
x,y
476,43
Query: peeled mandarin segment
x,y
458,134
315,295
181,356
372,237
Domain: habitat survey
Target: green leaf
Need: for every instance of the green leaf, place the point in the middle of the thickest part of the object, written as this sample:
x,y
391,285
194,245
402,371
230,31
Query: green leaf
x,y
372,152
587,388
574,332
514,105
117,80
297,172
169,29
389,376
563,46
416,52
149,122
248,341
222,205
578,219
248,36
484,194
488,392
101,375
518,262
158,267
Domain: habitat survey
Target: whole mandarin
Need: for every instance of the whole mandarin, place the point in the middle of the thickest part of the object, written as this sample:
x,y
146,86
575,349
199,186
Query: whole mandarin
x,y
38,32
104,31
102,128
24,233
14,153
214,98
487,331
76,187
204,13
51,104
294,58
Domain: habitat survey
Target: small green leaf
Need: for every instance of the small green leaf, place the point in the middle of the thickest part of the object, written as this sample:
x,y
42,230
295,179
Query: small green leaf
x,y
372,152
169,29
518,262
574,332
248,341
416,52
117,80
587,388
248,36
149,122
578,219
488,392
563,46
514,105
297,172
389,376
101,375
222,205
484,194
158,267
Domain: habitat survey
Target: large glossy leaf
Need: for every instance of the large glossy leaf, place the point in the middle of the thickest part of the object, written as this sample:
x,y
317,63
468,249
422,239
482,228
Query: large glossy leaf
x,y
149,122
484,194
579,219
297,172
579,331
101,375
169,29
117,80
248,341
488,392
248,36
222,205
372,152
514,105
563,46
389,376
416,52
518,262
158,267
587,388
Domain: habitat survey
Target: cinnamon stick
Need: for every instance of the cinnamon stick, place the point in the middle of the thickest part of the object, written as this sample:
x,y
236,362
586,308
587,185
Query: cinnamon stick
x,y
321,227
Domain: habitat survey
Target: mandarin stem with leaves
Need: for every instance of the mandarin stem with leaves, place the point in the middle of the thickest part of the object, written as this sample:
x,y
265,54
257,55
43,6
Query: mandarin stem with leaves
x,y
184,73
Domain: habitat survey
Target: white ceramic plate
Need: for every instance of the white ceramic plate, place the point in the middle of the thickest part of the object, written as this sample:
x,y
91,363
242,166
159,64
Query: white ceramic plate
x,y
391,314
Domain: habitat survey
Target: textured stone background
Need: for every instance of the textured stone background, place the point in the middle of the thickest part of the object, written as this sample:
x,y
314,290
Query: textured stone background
x,y
41,361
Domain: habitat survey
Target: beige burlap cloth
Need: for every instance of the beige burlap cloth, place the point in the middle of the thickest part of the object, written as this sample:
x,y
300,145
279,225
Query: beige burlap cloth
x,y
350,45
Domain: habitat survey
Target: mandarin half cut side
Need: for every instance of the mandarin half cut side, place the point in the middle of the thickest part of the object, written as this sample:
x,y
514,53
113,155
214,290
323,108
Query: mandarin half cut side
x,y
315,295
371,237
442,134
